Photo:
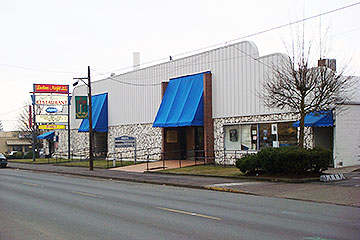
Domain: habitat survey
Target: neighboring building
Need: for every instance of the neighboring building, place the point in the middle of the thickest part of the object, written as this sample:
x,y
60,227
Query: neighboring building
x,y
211,107
14,141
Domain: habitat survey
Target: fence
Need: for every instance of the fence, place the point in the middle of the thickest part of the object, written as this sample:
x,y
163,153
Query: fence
x,y
185,157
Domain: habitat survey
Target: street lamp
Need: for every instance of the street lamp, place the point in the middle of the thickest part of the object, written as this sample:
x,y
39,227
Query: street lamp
x,y
91,162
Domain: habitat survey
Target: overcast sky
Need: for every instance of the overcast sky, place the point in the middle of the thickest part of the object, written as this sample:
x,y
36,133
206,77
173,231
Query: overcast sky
x,y
50,42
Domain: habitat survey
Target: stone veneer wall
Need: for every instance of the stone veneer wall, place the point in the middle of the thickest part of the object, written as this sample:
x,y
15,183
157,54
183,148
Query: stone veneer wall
x,y
79,142
224,157
148,141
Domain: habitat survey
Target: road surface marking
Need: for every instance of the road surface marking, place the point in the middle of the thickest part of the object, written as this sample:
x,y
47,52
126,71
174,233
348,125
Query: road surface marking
x,y
87,194
188,213
235,184
316,238
31,184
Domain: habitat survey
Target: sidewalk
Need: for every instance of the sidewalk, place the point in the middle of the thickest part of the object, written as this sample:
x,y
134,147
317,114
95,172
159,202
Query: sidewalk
x,y
348,195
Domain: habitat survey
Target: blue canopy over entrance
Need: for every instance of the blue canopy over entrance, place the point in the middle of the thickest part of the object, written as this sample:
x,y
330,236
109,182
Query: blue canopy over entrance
x,y
319,119
183,103
47,135
99,114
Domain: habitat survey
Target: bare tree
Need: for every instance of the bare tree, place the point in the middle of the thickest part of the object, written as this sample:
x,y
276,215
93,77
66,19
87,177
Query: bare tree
x,y
299,87
25,125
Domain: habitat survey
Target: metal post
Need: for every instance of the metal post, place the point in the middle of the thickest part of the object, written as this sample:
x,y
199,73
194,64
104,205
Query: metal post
x,y
121,162
33,127
147,162
163,158
114,155
91,163
68,126
135,152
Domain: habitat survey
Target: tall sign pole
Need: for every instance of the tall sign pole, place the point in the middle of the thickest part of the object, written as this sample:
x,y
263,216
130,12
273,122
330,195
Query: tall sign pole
x,y
91,163
69,126
33,128
88,84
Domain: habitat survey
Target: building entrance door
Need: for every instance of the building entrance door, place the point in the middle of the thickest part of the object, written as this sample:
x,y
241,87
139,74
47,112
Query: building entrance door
x,y
186,143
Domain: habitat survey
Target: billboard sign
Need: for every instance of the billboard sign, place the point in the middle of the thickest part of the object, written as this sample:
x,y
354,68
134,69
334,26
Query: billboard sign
x,y
54,100
51,88
52,127
81,107
51,118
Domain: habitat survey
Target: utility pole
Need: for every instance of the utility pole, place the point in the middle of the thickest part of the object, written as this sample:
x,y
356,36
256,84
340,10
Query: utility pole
x,y
33,128
88,84
91,163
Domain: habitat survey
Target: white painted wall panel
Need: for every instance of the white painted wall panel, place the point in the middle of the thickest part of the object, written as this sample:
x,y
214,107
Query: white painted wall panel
x,y
347,136
237,72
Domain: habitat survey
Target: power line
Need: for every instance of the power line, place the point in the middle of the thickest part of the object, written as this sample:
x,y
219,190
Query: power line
x,y
246,36
14,110
173,69
37,69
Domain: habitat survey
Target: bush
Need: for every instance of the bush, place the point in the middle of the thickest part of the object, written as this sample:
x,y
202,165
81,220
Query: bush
x,y
319,158
248,164
28,155
19,155
288,160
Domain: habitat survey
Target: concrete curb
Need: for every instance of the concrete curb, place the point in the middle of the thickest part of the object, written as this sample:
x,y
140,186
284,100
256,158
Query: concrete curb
x,y
264,179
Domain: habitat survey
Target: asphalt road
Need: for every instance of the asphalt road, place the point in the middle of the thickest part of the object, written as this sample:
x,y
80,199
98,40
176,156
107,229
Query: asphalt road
x,y
52,206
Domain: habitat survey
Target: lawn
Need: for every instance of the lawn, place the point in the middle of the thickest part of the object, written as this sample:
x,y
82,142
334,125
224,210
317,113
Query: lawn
x,y
97,163
228,171
37,160
75,163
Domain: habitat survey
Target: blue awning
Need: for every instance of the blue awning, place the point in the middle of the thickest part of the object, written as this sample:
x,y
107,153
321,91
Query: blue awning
x,y
183,103
99,114
47,135
319,119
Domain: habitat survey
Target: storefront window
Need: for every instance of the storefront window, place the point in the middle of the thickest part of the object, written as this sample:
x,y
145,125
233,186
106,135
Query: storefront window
x,y
260,136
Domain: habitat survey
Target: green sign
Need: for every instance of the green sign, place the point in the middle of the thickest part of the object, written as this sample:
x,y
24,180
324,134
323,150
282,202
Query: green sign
x,y
81,107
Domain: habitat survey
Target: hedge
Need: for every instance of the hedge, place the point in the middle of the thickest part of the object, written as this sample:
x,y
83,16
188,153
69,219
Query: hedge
x,y
289,160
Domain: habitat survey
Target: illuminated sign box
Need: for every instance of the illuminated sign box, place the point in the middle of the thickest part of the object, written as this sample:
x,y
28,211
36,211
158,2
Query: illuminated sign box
x,y
51,118
52,127
53,100
51,88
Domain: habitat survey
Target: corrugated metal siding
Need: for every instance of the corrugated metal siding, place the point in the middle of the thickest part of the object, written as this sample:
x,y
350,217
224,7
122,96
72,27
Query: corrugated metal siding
x,y
237,75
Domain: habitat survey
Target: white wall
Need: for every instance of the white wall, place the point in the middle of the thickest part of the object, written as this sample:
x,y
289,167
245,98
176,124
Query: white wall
x,y
237,72
347,136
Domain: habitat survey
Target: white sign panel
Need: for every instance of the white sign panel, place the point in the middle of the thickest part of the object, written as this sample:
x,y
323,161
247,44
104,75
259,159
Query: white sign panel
x,y
274,129
53,100
51,118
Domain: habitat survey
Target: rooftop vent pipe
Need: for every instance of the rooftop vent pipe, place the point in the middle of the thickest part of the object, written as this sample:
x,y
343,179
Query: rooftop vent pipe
x,y
136,60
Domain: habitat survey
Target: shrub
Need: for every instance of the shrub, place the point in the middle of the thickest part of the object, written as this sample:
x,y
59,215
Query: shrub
x,y
288,160
19,155
248,164
28,155
319,159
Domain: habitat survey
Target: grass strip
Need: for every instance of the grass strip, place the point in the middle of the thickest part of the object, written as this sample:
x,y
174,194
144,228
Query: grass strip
x,y
97,163
214,170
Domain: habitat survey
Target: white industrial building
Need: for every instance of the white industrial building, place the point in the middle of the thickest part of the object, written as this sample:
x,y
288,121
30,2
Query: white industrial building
x,y
234,119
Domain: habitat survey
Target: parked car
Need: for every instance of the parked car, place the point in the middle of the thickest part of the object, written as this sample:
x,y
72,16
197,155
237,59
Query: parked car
x,y
3,160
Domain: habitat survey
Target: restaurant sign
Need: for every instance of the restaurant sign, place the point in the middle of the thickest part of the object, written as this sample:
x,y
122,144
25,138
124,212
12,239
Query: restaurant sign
x,y
52,127
51,88
51,118
81,107
51,100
